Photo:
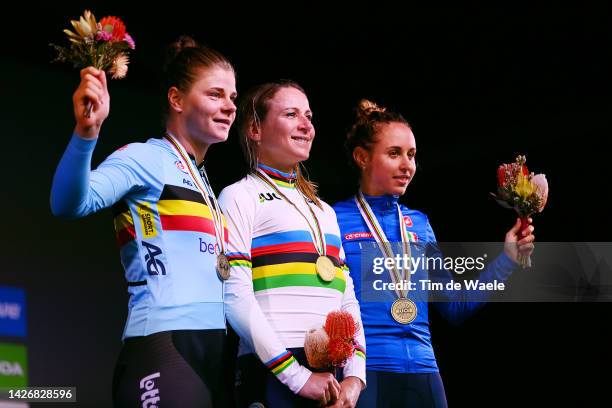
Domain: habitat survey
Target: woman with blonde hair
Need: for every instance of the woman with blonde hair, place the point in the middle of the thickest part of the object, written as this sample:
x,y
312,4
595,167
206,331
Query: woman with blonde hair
x,y
286,257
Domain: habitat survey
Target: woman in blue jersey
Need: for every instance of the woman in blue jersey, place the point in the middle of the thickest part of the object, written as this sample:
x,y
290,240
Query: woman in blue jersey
x,y
401,366
169,228
287,263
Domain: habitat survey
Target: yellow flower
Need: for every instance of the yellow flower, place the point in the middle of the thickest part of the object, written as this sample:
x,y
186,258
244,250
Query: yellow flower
x,y
523,186
120,66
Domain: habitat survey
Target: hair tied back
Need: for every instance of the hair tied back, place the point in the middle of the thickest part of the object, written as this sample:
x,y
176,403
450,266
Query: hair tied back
x,y
366,108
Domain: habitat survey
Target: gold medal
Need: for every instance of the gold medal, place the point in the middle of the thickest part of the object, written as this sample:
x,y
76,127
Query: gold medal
x,y
404,311
223,267
325,268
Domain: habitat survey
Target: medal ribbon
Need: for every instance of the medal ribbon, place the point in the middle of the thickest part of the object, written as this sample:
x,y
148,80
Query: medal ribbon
x,y
204,189
316,234
383,243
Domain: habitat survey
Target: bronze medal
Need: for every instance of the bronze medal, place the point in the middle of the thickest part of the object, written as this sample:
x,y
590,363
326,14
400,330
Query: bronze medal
x,y
325,268
404,311
223,267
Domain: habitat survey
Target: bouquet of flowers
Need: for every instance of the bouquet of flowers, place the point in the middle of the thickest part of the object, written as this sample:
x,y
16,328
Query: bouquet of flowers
x,y
524,192
103,45
331,346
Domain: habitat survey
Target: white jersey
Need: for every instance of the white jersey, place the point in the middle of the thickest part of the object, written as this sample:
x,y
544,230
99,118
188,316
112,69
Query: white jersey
x,y
274,295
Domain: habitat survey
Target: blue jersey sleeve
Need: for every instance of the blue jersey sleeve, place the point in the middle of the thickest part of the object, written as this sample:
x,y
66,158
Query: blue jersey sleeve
x,y
461,304
78,191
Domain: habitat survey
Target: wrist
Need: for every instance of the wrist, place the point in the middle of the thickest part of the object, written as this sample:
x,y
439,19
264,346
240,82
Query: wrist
x,y
87,132
353,381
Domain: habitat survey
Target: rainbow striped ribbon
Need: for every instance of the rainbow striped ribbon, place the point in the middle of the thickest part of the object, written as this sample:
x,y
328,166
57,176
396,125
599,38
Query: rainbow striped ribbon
x,y
204,189
383,242
316,233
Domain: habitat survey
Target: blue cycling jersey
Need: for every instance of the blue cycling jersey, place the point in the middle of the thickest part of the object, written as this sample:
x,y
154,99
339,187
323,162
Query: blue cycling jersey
x,y
163,226
395,347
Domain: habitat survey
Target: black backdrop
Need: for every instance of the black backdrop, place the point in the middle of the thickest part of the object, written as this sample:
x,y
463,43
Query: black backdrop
x,y
479,86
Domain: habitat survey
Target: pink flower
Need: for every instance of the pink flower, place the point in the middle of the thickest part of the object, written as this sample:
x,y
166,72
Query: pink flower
x,y
103,36
541,184
128,38
104,44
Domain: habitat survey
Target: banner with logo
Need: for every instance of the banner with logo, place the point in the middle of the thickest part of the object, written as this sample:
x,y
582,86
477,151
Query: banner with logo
x,y
12,312
13,365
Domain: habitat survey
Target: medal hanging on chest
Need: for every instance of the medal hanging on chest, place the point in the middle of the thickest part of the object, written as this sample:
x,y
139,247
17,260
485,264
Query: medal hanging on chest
x,y
403,310
324,266
223,266
200,179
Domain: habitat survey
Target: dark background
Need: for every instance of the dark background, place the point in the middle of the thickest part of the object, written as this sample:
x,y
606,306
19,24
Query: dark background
x,y
479,86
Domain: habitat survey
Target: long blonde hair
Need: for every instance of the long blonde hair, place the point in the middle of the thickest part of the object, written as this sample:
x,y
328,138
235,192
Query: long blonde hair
x,y
252,110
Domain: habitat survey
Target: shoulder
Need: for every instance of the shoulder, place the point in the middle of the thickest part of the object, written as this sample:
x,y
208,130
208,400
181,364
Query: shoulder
x,y
242,191
344,207
412,216
329,214
239,203
328,209
348,216
417,221
148,151
347,213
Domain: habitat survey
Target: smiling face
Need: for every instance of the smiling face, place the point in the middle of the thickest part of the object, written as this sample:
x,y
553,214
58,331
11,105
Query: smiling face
x,y
284,136
207,108
388,166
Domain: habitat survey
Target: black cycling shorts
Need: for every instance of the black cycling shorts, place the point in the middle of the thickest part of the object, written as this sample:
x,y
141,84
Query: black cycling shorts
x,y
180,368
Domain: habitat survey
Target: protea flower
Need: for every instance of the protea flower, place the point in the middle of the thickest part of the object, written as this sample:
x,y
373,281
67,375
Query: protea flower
x,y
341,329
316,348
85,27
114,26
103,45
332,345
521,191
541,187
